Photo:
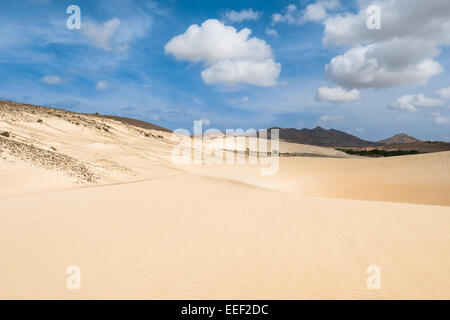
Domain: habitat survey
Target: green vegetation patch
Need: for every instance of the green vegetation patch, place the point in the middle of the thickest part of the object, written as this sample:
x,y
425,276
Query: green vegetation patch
x,y
376,153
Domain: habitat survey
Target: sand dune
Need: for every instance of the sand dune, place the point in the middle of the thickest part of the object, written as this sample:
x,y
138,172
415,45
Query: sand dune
x,y
183,236
422,179
146,228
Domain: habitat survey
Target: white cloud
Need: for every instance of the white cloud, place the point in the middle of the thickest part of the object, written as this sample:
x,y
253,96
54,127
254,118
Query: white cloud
x,y
101,35
54,80
290,15
332,118
102,85
213,41
444,93
233,71
399,19
318,11
412,102
239,16
230,56
314,12
118,34
371,67
439,119
337,95
401,53
271,32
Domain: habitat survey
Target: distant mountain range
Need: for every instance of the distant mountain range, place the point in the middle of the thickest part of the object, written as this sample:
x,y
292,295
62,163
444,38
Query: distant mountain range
x,y
323,137
340,139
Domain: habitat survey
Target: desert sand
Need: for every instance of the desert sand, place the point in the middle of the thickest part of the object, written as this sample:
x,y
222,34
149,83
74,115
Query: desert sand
x,y
105,196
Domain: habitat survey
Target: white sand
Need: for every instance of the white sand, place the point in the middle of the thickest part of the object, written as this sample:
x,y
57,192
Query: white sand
x,y
152,230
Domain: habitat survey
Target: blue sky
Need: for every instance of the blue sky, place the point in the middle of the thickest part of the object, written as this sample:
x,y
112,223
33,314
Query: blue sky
x,y
304,64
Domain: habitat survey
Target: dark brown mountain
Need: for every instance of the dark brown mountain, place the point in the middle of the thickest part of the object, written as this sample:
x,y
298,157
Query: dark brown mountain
x,y
399,138
323,137
407,143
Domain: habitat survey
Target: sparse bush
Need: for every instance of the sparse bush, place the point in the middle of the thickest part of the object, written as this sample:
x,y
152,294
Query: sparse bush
x,y
376,153
53,148
106,129
147,135
40,121
5,134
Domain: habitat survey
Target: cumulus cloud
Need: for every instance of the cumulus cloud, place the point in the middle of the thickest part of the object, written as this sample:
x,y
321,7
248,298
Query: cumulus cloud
x,y
54,80
102,85
337,95
318,11
444,93
239,16
332,118
101,35
399,19
314,12
232,71
213,41
230,56
370,67
401,53
413,102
